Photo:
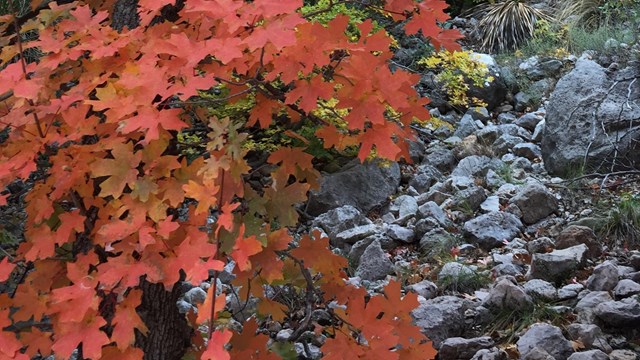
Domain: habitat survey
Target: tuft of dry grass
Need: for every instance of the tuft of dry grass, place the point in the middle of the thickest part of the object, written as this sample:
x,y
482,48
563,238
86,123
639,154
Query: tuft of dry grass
x,y
507,24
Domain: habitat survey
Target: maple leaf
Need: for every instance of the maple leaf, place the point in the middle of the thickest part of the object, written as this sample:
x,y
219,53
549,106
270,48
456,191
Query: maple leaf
x,y
39,342
250,344
243,248
215,348
126,319
310,92
6,268
204,310
121,170
205,194
68,335
9,345
225,218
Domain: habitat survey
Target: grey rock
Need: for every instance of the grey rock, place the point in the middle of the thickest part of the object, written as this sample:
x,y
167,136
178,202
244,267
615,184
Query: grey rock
x,y
589,355
622,355
406,206
590,335
363,186
195,296
424,288
538,131
400,233
585,308
540,289
490,230
479,113
505,295
466,127
490,204
540,245
585,104
470,198
463,349
476,166
442,317
461,182
535,202
558,265
432,242
507,269
352,235
431,210
635,261
527,150
374,263
314,351
569,291
547,337
523,101
623,313
458,277
340,219
441,158
529,121
359,247
537,353
284,335
604,277
183,306
576,234
490,354
425,177
493,180
626,288
506,118
505,143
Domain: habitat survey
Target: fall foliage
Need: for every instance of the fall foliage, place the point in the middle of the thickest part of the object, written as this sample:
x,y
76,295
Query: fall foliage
x,y
115,208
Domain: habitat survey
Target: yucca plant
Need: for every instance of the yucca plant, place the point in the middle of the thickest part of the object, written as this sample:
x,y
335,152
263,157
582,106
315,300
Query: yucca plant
x,y
505,25
591,14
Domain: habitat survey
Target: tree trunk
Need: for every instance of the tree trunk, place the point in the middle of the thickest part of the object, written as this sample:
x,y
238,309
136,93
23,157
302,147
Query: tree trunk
x,y
169,333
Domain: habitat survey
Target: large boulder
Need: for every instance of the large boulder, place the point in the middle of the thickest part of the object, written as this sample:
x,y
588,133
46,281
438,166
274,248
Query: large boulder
x,y
592,116
363,186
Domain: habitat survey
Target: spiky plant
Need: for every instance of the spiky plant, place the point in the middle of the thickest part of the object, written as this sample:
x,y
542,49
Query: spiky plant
x,y
505,25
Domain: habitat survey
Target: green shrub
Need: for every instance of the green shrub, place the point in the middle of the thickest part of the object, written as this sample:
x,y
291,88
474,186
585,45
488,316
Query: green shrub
x,y
455,70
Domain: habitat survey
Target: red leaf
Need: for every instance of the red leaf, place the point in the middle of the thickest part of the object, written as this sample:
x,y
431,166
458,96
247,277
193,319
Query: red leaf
x,y
244,248
126,319
215,348
6,268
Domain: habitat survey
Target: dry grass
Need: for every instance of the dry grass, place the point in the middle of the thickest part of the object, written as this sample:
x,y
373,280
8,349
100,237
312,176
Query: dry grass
x,y
507,24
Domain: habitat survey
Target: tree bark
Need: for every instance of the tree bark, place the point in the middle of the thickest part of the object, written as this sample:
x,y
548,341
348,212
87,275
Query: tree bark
x,y
169,333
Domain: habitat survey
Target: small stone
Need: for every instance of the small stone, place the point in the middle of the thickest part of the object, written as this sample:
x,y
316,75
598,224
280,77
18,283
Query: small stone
x,y
623,313
541,289
284,335
461,348
400,233
622,355
574,235
374,263
183,306
424,288
569,291
507,295
589,355
352,235
195,296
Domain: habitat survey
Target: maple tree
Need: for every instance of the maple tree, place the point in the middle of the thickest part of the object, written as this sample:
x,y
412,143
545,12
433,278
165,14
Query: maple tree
x,y
118,217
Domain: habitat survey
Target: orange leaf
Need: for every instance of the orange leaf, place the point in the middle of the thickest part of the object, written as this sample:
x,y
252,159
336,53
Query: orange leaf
x,y
215,347
6,268
126,319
